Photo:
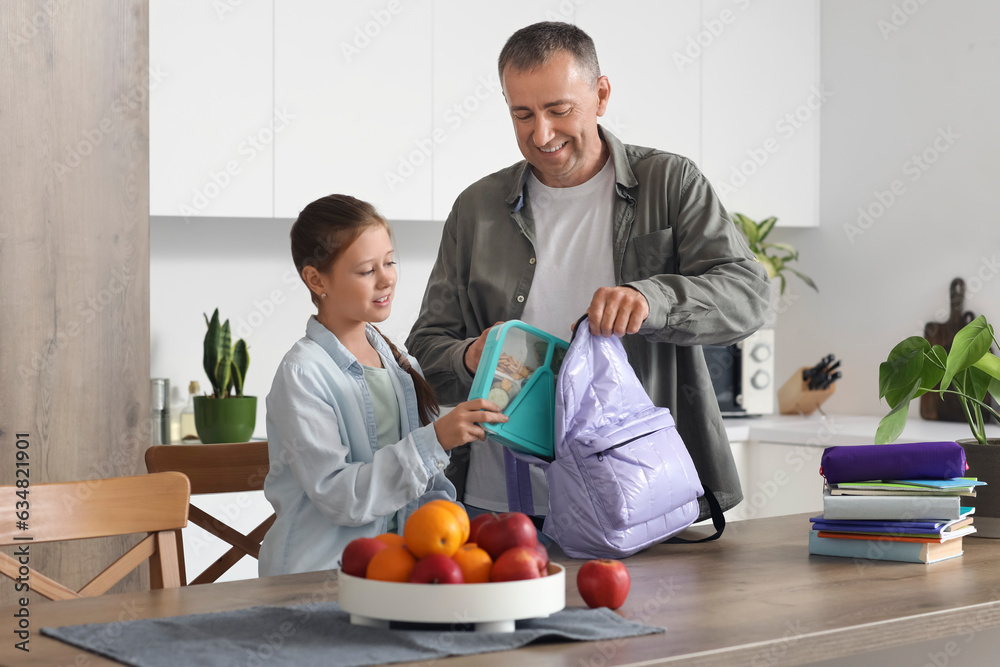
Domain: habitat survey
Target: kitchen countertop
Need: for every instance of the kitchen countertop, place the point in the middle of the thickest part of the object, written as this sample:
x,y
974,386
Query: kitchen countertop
x,y
818,430
755,597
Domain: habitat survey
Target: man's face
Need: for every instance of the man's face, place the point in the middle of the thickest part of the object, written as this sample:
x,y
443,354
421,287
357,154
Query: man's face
x,y
555,110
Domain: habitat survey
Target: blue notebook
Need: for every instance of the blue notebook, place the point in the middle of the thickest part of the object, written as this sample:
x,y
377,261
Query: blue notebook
x,y
874,549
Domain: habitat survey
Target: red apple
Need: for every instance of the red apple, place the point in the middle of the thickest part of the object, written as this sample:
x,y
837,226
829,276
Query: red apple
x,y
436,569
357,553
543,553
511,529
518,563
603,583
477,523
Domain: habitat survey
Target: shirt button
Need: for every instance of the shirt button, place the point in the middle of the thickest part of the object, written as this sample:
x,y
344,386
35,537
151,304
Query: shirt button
x,y
531,261
440,465
520,298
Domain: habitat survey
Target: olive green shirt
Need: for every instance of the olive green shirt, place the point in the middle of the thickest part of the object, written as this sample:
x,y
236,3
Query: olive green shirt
x,y
673,241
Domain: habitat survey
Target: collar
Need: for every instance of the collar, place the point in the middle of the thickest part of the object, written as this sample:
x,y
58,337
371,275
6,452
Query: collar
x,y
624,177
323,337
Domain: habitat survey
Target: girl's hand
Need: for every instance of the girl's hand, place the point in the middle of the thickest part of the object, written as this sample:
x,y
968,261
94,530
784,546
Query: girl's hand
x,y
461,425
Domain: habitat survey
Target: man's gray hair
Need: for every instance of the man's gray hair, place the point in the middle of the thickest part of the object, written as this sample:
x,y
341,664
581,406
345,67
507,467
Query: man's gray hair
x,y
534,45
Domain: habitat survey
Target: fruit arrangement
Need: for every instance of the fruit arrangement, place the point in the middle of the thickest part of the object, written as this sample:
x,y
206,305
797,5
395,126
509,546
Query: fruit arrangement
x,y
439,545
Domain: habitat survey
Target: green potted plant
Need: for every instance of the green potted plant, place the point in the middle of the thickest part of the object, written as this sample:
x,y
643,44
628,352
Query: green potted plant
x,y
971,372
227,415
774,256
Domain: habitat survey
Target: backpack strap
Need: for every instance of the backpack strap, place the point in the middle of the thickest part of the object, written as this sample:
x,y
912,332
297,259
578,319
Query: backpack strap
x,y
517,476
718,520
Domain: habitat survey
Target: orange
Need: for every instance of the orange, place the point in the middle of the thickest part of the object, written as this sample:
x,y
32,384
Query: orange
x,y
392,539
460,514
391,564
474,562
433,529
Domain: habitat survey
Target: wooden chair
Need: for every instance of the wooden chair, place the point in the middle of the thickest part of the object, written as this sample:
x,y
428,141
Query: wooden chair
x,y
154,504
223,468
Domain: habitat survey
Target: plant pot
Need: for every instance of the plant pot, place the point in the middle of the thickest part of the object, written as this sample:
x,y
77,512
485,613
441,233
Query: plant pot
x,y
220,420
984,463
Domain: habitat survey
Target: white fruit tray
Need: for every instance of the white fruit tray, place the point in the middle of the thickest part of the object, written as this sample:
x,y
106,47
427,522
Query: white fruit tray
x,y
489,607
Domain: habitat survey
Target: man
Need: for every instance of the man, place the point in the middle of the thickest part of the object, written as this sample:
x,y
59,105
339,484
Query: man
x,y
634,237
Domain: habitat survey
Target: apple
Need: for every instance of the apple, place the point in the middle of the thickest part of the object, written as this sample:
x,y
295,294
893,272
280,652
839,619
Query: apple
x,y
436,569
603,583
543,553
477,523
518,563
511,529
357,553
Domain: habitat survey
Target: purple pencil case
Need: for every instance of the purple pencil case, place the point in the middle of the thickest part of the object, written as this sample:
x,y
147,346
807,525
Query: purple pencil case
x,y
905,460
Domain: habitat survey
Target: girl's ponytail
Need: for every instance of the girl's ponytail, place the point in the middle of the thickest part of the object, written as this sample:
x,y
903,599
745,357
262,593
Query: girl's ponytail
x,y
427,403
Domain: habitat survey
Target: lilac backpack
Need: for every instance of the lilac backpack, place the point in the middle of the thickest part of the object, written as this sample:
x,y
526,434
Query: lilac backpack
x,y
621,479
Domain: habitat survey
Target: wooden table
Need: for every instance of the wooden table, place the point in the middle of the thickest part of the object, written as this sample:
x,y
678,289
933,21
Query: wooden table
x,y
755,597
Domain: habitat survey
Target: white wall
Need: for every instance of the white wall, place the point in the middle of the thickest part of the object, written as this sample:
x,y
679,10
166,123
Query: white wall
x,y
244,268
891,97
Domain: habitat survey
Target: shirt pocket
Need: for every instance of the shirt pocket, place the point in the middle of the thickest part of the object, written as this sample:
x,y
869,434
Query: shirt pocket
x,y
652,254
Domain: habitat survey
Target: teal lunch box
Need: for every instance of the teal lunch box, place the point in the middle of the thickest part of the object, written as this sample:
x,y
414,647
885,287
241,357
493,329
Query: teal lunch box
x,y
518,371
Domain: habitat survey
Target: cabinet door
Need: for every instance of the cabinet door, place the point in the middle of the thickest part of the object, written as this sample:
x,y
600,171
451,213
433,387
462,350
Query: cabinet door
x,y
761,107
356,79
211,111
655,90
470,114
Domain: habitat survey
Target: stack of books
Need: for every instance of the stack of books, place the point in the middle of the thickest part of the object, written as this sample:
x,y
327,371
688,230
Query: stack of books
x,y
918,520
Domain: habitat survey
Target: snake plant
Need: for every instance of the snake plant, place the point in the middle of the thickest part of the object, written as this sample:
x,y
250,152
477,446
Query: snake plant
x,y
774,256
225,363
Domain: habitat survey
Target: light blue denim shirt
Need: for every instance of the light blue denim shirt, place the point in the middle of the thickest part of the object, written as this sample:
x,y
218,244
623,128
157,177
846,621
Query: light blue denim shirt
x,y
329,482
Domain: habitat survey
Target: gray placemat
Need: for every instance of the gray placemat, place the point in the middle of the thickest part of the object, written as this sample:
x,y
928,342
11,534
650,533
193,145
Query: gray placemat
x,y
319,634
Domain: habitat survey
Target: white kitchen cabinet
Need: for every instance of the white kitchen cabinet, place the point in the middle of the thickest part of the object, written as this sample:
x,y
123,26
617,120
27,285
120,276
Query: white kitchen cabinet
x,y
470,113
761,105
258,108
655,99
356,78
211,108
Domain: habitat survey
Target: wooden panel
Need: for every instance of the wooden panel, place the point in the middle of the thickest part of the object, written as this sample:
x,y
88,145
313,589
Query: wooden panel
x,y
74,250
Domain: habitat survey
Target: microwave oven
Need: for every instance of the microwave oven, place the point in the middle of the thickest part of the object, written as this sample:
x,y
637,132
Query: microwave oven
x,y
743,375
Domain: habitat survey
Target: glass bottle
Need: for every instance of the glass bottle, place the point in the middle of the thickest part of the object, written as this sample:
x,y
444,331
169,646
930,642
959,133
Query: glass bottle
x,y
188,431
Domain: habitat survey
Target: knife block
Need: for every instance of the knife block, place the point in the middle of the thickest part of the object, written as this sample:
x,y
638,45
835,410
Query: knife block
x,y
795,397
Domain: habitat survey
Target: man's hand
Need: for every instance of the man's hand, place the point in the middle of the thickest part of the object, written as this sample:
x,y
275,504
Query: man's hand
x,y
617,311
475,351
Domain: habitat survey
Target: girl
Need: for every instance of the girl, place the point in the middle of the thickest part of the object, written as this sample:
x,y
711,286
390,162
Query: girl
x,y
352,446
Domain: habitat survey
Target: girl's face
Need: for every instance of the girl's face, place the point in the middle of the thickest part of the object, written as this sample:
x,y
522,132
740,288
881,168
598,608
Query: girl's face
x,y
359,285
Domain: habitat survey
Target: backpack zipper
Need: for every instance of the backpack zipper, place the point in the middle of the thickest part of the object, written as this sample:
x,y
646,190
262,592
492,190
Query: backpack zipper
x,y
600,454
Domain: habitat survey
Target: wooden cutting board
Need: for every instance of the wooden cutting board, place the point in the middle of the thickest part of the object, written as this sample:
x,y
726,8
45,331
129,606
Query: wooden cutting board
x,y
943,333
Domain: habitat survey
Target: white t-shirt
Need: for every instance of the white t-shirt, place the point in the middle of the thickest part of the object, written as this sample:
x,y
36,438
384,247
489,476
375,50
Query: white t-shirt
x,y
573,257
